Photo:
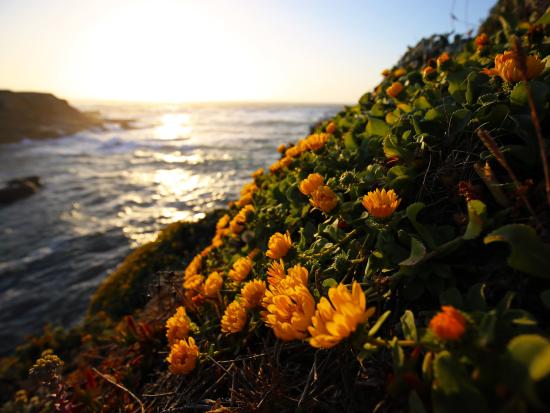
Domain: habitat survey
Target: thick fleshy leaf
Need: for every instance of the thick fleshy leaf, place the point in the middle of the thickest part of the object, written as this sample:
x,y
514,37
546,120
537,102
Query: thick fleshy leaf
x,y
529,254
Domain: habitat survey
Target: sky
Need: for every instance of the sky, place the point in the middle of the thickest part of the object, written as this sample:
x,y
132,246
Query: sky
x,y
314,51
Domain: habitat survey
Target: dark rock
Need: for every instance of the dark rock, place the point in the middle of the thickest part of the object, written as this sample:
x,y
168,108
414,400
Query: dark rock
x,y
19,188
39,115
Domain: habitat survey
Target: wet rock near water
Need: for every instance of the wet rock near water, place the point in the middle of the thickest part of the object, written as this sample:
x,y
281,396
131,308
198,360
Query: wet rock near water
x,y
20,188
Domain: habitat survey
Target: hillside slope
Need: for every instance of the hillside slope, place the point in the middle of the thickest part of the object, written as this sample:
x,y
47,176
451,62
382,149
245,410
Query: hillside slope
x,y
397,259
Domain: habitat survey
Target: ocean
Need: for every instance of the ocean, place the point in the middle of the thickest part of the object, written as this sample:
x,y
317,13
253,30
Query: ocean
x,y
108,191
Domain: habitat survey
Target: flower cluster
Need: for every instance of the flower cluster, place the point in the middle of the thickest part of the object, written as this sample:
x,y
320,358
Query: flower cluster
x,y
313,142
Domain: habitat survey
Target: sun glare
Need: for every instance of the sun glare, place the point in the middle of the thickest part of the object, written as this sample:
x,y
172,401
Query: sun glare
x,y
158,52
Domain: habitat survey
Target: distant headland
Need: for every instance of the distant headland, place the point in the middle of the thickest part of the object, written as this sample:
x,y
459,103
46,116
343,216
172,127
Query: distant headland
x,y
34,115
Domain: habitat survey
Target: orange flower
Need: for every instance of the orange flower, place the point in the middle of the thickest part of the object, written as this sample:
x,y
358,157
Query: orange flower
x,y
252,293
193,282
177,326
443,59
449,324
336,319
278,245
507,66
395,89
241,269
289,308
311,183
429,73
381,204
276,272
183,356
258,172
234,318
324,199
331,127
213,284
386,72
281,148
316,141
481,41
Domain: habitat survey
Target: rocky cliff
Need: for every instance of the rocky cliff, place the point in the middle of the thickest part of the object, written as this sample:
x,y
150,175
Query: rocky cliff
x,y
38,115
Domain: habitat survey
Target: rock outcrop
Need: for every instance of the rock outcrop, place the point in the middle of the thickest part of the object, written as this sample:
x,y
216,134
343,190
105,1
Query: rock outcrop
x,y
19,188
39,115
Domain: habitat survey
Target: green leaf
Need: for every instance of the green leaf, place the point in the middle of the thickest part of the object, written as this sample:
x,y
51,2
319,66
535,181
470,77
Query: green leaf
x,y
476,214
412,212
374,329
397,354
449,373
524,348
475,299
451,296
329,282
459,120
545,298
422,103
349,141
529,254
408,326
376,127
540,365
415,403
545,18
418,252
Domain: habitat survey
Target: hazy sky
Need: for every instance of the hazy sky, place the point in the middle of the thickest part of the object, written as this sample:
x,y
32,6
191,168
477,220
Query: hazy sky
x,y
202,50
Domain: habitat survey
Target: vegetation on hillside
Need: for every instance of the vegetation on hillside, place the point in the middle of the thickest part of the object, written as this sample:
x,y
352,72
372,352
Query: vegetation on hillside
x,y
397,259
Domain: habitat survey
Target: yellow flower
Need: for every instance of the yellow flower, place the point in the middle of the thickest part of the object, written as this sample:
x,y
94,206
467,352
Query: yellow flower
x,y
281,148
205,251
289,308
237,223
449,324
278,245
298,274
183,356
293,151
386,72
234,318
336,319
177,326
381,204
222,222
252,293
316,141
193,282
331,127
213,284
395,89
193,267
241,269
311,183
399,72
276,272
258,172
324,199
507,66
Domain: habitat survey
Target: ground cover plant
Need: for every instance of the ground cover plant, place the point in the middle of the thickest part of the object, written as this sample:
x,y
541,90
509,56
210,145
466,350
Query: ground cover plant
x,y
396,259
